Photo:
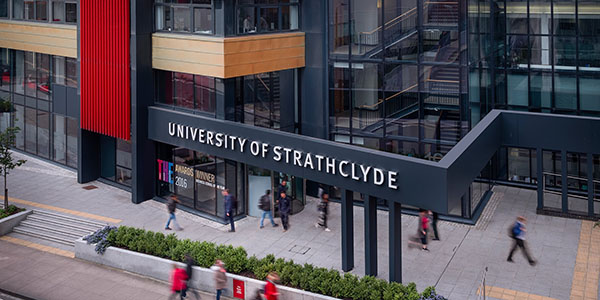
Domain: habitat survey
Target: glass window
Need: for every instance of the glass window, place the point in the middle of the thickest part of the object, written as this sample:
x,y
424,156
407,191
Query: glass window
x,y
29,10
183,173
267,16
518,51
518,165
203,20
123,162
340,94
43,134
565,53
41,10
519,88
247,20
565,90
71,68
589,52
5,64
564,17
163,18
205,93
30,130
541,89
72,136
59,143
540,17
184,90
59,70
71,12
206,184
340,27
19,71
269,19
30,74
58,11
19,122
181,18
18,9
589,91
43,83
4,8
164,87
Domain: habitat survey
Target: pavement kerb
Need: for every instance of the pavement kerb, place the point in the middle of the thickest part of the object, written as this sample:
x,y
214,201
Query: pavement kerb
x,y
160,269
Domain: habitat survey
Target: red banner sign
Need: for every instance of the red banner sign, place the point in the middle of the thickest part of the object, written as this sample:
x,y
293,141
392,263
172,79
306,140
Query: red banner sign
x,y
238,289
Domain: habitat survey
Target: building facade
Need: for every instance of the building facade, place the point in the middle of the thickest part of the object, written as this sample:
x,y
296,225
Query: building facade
x,y
403,79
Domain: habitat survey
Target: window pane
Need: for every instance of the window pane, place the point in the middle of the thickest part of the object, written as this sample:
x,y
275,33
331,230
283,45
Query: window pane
x,y
59,140
58,11
164,87
19,122
43,84
43,134
41,10
18,8
541,89
518,52
205,179
71,9
71,72
516,16
565,91
340,27
340,94
181,16
564,53
289,17
30,74
540,52
4,8
124,153
72,130
589,52
564,17
163,18
123,176
29,10
19,70
184,175
540,16
205,93
518,165
203,20
246,20
30,130
59,70
184,90
269,19
518,87
5,69
589,91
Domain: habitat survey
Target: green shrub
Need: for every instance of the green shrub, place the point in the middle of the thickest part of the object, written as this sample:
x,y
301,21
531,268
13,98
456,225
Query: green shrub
x,y
11,210
305,277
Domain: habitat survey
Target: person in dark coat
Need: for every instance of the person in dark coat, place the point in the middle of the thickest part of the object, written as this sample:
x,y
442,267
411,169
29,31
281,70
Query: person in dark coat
x,y
189,263
229,208
282,188
434,220
264,204
171,207
285,206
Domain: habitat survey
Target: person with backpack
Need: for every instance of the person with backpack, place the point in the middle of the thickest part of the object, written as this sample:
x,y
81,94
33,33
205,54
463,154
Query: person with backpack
x,y
264,204
517,233
189,263
230,206
171,207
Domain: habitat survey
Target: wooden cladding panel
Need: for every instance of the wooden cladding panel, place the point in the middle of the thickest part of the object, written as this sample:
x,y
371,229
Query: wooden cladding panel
x,y
55,39
105,67
228,57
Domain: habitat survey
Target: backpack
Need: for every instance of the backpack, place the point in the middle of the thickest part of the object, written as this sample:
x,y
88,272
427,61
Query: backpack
x,y
264,203
514,231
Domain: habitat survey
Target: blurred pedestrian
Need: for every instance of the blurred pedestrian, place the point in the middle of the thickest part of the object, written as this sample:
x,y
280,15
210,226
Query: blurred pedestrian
x,y
178,286
270,288
323,212
517,233
264,204
282,188
171,207
285,205
230,206
421,237
220,278
434,220
189,264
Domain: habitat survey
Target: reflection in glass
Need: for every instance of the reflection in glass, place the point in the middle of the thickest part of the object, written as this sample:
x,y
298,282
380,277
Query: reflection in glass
x,y
19,121
589,91
72,130
565,90
43,134
30,130
181,19
59,142
518,87
541,89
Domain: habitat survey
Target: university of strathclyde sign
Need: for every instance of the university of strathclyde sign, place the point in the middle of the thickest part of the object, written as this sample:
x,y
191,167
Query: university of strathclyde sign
x,y
380,174
287,155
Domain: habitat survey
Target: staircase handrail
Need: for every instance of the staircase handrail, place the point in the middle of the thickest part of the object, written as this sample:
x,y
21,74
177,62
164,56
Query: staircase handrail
x,y
390,97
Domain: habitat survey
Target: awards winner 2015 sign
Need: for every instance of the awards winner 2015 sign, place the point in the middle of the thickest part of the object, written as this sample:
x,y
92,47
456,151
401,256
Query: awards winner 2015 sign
x,y
321,163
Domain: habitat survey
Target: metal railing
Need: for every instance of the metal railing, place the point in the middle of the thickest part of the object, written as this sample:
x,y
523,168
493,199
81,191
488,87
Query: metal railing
x,y
555,192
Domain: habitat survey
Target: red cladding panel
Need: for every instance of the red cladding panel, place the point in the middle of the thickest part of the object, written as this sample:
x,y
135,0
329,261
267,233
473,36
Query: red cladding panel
x,y
105,74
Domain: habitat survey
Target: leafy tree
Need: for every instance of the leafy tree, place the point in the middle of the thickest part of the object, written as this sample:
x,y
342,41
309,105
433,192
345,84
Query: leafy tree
x,y
7,162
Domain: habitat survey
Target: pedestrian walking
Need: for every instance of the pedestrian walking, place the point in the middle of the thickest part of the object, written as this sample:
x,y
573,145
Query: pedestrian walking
x,y
517,233
320,191
189,263
421,237
230,205
171,207
434,220
282,188
285,205
270,288
220,278
323,212
178,279
264,204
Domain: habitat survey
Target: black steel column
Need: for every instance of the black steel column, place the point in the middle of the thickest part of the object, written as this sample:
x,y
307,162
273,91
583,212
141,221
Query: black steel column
x,y
540,178
347,231
370,236
395,231
590,183
88,154
564,181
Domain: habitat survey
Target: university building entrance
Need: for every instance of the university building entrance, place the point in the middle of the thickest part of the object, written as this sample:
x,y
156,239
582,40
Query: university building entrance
x,y
260,180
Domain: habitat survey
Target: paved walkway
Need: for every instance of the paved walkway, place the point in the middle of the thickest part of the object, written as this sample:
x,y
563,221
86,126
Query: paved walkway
x,y
454,265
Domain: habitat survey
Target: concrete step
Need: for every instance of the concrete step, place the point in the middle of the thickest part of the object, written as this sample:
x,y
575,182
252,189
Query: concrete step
x,y
69,218
66,236
44,235
53,228
60,222
40,241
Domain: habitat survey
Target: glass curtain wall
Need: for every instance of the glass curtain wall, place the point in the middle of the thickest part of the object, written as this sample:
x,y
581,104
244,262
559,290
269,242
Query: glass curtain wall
x,y
27,81
186,91
195,16
259,16
55,11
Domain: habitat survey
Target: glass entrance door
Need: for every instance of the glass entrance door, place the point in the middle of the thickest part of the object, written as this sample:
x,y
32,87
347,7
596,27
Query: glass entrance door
x,y
294,189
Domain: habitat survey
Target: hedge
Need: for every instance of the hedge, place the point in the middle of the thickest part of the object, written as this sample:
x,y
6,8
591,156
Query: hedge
x,y
305,277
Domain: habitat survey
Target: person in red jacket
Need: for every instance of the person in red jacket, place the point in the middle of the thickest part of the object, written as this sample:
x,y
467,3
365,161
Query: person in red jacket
x,y
178,278
270,288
